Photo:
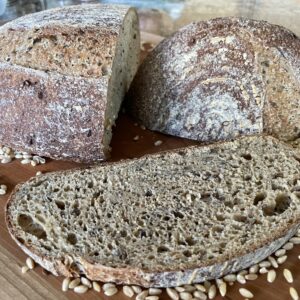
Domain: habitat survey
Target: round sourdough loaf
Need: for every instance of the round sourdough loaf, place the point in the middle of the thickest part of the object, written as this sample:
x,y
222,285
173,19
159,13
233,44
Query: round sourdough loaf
x,y
218,79
63,75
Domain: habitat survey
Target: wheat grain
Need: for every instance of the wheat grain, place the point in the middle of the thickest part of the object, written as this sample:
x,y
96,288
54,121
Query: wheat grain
x,y
288,275
294,293
245,293
128,291
271,276
111,291
65,284
30,263
172,294
81,289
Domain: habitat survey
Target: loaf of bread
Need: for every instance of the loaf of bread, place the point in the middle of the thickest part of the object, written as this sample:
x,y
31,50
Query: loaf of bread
x,y
63,76
219,79
162,220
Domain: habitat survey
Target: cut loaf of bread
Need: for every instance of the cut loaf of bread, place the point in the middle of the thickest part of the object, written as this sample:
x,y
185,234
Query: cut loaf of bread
x,y
162,220
219,79
63,76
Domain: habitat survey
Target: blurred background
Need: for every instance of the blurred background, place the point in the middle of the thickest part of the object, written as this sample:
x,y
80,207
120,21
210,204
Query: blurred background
x,y
162,17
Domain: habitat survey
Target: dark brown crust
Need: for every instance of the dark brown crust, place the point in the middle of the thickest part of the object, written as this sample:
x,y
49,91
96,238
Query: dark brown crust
x,y
212,81
51,113
167,277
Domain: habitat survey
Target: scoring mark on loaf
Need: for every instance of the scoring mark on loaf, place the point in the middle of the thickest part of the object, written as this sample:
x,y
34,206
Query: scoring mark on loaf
x,y
224,67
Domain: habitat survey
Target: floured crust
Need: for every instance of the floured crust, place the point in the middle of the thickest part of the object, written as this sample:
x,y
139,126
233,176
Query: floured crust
x,y
49,116
219,79
56,69
163,276
76,35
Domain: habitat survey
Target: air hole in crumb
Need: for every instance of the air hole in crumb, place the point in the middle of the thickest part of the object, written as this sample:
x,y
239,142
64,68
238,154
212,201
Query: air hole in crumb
x,y
187,253
282,203
67,189
27,83
60,204
151,257
190,241
89,134
134,36
40,95
259,197
104,70
20,240
220,217
236,226
149,193
162,249
247,156
297,158
166,218
29,226
223,245
47,247
72,239
178,214
181,153
239,218
217,228
192,42
36,40
123,233
247,178
228,203
268,210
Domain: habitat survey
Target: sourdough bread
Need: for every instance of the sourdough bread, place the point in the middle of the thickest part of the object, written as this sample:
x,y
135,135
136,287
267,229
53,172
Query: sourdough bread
x,y
63,76
219,79
162,220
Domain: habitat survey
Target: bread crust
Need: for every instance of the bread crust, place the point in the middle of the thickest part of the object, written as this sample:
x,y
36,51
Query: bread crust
x,y
165,277
50,109
219,79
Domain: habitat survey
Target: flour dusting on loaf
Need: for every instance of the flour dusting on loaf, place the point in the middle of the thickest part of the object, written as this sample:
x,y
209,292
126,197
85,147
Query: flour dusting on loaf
x,y
219,79
63,76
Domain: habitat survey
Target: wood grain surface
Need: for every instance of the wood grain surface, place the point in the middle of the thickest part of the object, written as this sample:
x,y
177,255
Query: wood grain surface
x,y
37,284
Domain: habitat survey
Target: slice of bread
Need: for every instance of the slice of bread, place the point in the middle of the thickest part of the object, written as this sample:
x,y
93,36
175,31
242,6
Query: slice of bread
x,y
162,220
219,79
63,75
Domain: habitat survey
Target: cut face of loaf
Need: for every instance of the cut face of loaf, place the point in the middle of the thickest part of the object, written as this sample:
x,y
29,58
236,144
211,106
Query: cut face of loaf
x,y
219,79
162,220
63,76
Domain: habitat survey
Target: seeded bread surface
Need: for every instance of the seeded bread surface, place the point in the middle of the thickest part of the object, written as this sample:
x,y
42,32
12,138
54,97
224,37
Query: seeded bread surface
x,y
162,220
63,76
220,79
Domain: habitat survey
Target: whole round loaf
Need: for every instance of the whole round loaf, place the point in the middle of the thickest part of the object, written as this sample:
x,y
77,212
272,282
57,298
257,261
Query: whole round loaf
x,y
218,79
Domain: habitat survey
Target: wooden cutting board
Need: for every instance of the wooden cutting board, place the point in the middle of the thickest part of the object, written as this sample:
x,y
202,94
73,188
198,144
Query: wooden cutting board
x,y
37,284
